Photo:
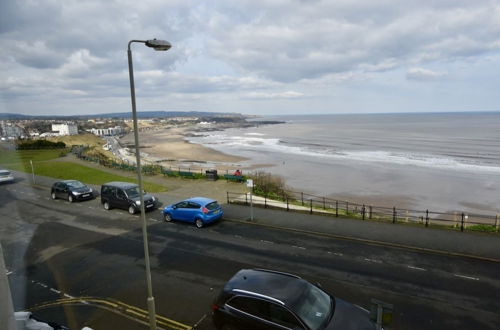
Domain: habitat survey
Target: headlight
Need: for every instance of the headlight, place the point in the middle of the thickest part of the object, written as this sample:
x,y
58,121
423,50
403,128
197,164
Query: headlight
x,y
137,203
76,193
90,190
154,199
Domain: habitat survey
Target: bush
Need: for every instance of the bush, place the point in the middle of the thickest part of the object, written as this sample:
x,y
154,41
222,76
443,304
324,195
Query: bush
x,y
40,144
267,184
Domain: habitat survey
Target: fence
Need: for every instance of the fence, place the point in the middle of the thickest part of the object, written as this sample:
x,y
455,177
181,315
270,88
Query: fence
x,y
302,202
150,169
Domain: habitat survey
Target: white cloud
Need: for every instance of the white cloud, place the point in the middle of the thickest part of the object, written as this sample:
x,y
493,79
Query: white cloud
x,y
424,74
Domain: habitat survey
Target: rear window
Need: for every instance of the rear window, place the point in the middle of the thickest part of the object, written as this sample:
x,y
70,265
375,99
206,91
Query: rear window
x,y
212,206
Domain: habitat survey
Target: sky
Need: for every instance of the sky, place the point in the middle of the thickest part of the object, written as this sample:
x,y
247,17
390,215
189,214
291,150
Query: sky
x,y
69,57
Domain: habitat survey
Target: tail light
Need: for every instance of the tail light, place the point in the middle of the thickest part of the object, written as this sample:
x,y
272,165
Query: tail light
x,y
204,210
215,307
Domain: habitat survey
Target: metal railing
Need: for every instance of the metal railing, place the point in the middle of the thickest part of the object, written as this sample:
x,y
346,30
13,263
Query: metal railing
x,y
307,203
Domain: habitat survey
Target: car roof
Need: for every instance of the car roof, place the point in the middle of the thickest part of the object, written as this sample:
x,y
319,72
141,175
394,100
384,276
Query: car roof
x,y
4,171
286,288
120,184
200,200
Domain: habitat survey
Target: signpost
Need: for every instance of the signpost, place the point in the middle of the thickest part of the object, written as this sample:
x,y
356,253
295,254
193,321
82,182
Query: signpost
x,y
250,185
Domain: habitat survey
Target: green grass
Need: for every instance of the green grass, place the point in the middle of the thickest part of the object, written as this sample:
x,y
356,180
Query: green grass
x,y
19,160
24,156
484,228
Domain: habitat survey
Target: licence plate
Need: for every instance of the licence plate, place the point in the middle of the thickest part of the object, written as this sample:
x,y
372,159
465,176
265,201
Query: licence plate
x,y
86,195
150,205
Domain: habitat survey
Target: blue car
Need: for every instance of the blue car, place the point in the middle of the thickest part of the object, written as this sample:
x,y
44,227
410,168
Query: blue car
x,y
197,210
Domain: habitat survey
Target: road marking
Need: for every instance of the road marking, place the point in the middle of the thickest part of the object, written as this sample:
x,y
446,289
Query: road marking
x,y
338,254
54,290
467,277
416,268
151,219
264,241
373,260
8,273
201,320
68,296
299,247
237,236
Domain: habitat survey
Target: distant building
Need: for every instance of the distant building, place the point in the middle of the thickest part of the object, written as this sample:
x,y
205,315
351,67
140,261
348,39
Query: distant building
x,y
10,130
65,129
117,130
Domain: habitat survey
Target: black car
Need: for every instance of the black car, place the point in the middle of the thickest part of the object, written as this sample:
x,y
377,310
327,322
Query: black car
x,y
125,195
266,299
71,190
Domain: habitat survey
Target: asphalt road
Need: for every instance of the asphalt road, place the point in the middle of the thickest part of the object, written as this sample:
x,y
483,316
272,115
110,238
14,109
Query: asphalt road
x,y
57,252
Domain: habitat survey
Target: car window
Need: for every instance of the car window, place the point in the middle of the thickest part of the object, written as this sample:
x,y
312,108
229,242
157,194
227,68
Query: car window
x,y
181,205
255,307
132,192
314,307
282,316
120,194
193,205
212,206
75,184
107,190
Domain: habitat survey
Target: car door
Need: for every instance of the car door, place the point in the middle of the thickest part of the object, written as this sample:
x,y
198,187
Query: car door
x,y
122,201
193,211
180,210
61,190
254,313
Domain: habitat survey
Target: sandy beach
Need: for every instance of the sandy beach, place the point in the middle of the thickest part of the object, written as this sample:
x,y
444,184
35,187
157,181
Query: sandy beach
x,y
167,147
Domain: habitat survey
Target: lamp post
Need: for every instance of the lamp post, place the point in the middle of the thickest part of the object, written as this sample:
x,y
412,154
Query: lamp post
x,y
160,45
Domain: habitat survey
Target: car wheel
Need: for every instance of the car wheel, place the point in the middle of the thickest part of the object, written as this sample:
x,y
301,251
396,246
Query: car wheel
x,y
53,195
167,217
131,209
199,223
70,198
106,205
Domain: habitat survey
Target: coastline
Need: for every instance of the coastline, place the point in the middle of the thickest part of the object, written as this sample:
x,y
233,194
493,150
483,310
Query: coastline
x,y
168,147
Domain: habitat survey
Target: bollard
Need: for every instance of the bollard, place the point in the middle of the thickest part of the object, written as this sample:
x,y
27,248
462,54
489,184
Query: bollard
x,y
227,194
311,206
462,227
363,211
287,206
324,204
346,208
427,218
302,198
393,214
246,199
370,210
336,208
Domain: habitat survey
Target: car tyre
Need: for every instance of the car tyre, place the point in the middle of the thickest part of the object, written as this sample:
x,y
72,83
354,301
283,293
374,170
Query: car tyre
x,y
106,205
70,198
131,209
53,195
167,217
198,223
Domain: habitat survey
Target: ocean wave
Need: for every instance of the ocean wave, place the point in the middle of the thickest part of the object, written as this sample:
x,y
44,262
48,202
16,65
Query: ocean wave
x,y
253,142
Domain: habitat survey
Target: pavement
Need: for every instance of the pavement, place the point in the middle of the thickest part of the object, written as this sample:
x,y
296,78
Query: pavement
x,y
475,245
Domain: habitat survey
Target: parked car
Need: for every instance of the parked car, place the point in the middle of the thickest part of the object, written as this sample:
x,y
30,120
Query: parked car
x,y
71,190
197,210
6,176
125,195
266,299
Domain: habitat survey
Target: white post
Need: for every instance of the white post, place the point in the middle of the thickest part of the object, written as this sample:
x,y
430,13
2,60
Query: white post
x,y
250,185
32,171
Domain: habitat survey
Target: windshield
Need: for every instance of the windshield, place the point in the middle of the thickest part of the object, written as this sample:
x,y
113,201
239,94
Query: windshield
x,y
132,192
315,307
75,184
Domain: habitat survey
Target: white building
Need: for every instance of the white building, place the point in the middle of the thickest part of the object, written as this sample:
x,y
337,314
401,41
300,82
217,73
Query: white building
x,y
117,130
65,129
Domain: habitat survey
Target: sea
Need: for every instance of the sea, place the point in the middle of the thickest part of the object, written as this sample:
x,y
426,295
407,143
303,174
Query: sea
x,y
442,162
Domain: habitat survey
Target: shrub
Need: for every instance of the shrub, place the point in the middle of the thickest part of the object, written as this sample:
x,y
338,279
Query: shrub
x,y
272,186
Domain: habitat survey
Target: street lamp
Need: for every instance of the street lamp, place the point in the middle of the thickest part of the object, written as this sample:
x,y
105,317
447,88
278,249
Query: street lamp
x,y
160,45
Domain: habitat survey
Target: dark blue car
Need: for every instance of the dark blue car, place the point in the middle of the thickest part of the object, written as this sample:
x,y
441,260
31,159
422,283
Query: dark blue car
x,y
197,210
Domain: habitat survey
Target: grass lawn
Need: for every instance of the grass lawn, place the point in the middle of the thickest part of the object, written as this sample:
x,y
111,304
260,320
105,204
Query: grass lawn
x,y
20,161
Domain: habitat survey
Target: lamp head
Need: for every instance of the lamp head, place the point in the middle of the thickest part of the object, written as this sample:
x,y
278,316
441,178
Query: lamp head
x,y
160,45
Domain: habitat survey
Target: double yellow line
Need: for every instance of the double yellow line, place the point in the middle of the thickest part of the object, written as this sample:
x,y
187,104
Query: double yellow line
x,y
131,312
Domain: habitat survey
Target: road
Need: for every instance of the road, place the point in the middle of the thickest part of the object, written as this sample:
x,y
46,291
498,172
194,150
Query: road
x,y
57,252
